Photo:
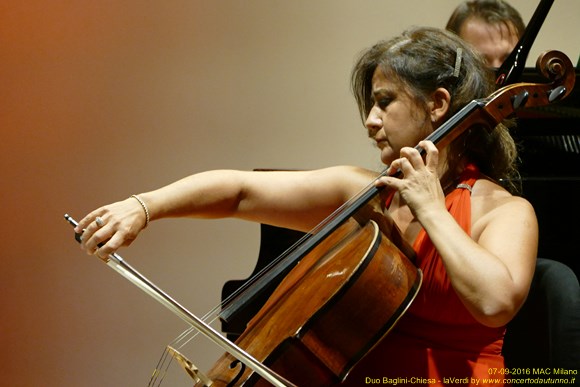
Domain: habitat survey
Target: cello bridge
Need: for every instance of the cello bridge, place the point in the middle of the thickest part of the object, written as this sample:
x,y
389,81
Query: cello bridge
x,y
189,367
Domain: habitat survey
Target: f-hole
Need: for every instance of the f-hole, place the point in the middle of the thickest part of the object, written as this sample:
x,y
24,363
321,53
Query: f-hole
x,y
233,365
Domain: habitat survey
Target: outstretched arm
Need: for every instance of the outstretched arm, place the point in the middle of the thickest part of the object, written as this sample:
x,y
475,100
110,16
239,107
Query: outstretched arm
x,y
297,200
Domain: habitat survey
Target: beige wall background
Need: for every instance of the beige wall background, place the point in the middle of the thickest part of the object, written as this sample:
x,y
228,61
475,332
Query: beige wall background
x,y
103,99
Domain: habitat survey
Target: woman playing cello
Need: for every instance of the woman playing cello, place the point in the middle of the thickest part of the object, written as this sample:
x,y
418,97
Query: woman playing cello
x,y
475,242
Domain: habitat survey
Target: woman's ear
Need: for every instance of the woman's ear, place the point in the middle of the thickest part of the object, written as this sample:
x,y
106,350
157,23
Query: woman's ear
x,y
439,104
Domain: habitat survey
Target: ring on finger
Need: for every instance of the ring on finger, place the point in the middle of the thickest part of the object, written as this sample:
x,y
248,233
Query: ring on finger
x,y
99,221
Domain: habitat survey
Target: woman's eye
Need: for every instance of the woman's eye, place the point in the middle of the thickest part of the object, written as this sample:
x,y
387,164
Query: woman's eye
x,y
383,102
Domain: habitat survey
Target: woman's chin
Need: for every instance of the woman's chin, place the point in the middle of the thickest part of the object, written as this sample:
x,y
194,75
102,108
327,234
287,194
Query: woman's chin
x,y
387,157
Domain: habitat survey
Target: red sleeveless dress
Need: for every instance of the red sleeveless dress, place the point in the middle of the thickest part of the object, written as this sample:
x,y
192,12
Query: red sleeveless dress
x,y
437,342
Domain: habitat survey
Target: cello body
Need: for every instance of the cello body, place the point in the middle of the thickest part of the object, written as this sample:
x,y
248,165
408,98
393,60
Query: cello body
x,y
323,317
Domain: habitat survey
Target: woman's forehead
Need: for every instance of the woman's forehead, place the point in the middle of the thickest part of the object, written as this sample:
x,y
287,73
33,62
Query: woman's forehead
x,y
383,80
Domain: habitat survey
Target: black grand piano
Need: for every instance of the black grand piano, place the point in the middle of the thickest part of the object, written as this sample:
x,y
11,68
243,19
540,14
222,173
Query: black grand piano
x,y
549,139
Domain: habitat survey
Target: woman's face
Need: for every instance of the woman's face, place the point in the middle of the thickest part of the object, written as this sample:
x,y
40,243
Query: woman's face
x,y
395,119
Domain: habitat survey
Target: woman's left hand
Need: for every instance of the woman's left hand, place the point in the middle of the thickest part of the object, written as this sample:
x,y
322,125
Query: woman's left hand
x,y
419,186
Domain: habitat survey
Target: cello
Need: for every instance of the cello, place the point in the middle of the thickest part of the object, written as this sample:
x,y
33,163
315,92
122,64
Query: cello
x,y
306,351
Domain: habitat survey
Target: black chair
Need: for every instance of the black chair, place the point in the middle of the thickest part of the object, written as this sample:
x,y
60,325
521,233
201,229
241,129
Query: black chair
x,y
545,334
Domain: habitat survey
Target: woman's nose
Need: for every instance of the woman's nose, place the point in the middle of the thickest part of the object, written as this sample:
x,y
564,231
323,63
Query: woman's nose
x,y
373,123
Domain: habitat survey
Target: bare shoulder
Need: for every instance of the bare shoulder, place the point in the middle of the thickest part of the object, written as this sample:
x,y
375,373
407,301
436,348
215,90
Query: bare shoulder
x,y
488,195
492,204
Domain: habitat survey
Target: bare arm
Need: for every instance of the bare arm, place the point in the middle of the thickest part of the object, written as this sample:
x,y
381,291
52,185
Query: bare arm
x,y
491,270
298,200
492,273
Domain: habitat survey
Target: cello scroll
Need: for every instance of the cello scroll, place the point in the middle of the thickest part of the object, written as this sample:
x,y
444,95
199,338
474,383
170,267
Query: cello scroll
x,y
553,65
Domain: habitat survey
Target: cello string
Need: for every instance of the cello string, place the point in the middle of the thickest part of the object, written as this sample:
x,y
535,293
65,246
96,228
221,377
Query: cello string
x,y
166,358
183,339
164,362
160,370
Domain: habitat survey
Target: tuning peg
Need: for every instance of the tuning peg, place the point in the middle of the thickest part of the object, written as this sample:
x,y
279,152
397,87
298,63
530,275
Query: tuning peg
x,y
556,94
520,99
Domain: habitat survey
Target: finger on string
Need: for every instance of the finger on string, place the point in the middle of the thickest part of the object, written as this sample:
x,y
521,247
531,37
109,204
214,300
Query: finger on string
x,y
394,167
392,170
414,158
406,166
432,157
383,181
407,151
